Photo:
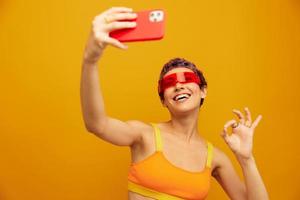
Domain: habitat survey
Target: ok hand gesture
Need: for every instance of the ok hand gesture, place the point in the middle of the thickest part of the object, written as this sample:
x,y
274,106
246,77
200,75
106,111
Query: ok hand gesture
x,y
241,139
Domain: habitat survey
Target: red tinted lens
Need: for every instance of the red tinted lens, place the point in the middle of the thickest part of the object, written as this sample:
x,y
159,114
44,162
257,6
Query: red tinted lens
x,y
172,79
191,77
168,81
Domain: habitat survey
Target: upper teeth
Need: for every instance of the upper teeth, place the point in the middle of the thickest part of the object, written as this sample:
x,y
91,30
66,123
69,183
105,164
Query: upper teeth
x,y
181,96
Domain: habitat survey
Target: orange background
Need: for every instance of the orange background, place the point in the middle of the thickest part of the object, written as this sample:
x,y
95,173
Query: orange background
x,y
248,50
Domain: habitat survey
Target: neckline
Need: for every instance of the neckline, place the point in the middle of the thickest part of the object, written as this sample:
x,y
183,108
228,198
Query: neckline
x,y
159,148
169,163
179,168
160,152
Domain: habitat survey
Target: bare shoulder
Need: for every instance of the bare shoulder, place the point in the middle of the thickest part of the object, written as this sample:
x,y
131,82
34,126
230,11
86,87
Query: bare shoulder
x,y
139,125
142,127
219,158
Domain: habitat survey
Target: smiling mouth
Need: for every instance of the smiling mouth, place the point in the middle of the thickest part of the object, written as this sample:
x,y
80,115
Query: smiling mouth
x,y
181,97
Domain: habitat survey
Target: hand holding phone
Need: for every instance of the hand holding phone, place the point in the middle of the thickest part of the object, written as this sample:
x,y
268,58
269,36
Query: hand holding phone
x,y
119,24
104,23
150,25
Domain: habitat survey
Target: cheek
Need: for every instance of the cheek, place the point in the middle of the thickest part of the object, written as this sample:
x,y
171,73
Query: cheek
x,y
167,93
195,90
194,87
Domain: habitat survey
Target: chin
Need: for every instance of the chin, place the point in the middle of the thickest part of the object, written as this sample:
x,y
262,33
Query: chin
x,y
185,107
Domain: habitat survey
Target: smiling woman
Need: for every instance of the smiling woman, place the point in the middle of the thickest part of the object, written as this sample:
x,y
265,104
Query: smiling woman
x,y
170,160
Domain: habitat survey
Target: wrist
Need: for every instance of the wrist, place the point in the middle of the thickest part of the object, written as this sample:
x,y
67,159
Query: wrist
x,y
91,58
246,161
89,62
93,52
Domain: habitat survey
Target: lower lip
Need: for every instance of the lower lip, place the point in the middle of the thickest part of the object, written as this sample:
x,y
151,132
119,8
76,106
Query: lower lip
x,y
182,101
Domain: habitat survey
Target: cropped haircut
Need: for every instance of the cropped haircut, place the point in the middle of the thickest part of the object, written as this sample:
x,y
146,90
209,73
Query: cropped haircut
x,y
181,62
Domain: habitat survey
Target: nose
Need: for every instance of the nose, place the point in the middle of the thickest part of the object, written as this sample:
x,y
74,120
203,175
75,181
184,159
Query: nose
x,y
178,86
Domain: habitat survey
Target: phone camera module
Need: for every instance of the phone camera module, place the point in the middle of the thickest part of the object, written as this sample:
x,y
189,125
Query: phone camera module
x,y
156,16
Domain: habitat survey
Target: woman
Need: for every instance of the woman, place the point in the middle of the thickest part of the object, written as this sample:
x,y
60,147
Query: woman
x,y
170,160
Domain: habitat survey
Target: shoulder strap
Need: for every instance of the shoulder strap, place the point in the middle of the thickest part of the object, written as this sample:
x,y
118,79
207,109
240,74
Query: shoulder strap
x,y
157,137
209,154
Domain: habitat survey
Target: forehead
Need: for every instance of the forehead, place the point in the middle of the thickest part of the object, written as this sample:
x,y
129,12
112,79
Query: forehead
x,y
178,69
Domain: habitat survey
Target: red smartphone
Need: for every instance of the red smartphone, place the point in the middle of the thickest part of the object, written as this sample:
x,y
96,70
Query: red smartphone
x,y
150,25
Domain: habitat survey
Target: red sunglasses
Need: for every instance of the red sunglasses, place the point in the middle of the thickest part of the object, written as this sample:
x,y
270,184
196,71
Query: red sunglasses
x,y
180,77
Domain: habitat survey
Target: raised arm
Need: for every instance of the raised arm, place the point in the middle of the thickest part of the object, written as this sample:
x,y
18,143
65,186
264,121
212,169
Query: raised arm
x,y
92,104
241,143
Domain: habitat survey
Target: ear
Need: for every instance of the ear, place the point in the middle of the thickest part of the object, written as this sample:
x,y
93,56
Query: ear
x,y
203,92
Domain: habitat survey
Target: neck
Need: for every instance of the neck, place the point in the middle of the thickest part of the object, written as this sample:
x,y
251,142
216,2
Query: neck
x,y
185,126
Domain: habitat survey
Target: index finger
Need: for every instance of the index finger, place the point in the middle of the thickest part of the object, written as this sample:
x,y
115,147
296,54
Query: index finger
x,y
118,9
228,124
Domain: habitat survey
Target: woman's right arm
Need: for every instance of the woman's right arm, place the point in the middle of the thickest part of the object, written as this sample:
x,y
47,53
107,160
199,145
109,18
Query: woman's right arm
x,y
92,104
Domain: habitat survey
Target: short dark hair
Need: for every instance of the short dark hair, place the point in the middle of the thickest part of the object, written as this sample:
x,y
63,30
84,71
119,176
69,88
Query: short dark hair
x,y
181,62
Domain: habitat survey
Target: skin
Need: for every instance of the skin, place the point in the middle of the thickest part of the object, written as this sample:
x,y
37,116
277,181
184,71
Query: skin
x,y
180,134
184,116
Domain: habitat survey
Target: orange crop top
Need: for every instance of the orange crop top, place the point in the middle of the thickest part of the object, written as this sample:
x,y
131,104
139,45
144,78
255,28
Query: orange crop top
x,y
158,178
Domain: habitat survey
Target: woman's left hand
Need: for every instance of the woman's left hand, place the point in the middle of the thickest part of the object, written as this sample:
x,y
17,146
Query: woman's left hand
x,y
241,139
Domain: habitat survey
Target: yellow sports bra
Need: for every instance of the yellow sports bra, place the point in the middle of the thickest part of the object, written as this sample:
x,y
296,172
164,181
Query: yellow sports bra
x,y
157,178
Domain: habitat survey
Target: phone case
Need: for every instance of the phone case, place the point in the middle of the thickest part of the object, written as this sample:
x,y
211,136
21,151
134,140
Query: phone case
x,y
150,26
